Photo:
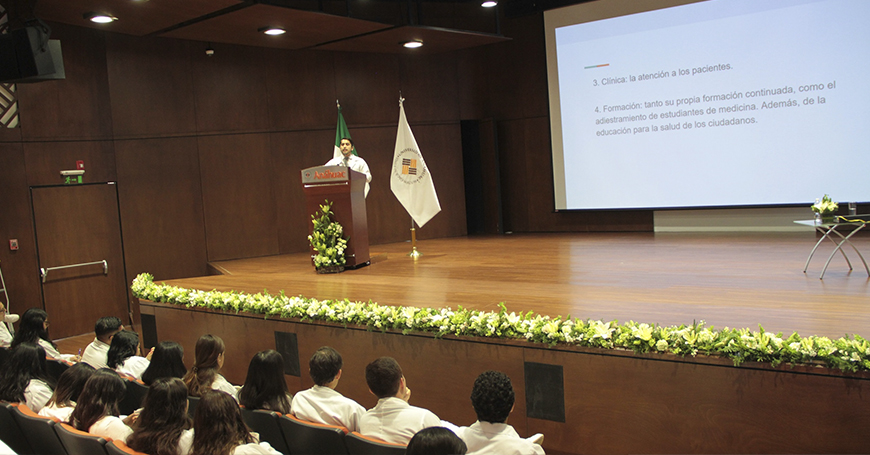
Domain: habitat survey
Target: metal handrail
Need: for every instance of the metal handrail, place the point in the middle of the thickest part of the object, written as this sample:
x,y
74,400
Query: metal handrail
x,y
43,272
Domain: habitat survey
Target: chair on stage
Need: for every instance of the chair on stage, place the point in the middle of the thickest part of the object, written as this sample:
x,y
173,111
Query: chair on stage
x,y
80,442
132,400
313,438
38,431
117,447
358,444
10,432
266,424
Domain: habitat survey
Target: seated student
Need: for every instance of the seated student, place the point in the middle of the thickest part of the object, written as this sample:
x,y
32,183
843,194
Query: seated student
x,y
392,419
436,441
163,420
493,400
321,403
69,387
96,353
124,355
24,378
218,429
166,362
265,387
34,329
5,326
207,364
96,411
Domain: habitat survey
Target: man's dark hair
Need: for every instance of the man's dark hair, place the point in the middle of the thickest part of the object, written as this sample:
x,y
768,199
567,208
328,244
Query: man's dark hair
x,y
347,139
383,377
492,397
107,325
324,365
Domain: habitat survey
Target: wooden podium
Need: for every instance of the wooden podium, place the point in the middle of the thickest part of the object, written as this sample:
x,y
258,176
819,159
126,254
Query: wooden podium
x,y
345,188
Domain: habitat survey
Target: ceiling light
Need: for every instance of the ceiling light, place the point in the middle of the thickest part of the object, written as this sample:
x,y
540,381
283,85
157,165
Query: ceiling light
x,y
274,31
100,18
489,3
413,44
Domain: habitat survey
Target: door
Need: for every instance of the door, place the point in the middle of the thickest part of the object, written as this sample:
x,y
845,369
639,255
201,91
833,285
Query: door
x,y
78,227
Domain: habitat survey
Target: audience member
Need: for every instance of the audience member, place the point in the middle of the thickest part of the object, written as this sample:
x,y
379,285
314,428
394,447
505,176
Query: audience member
x,y
24,378
493,400
166,362
265,387
205,373
436,441
34,329
392,419
218,428
125,355
163,420
6,321
321,403
96,353
69,387
96,410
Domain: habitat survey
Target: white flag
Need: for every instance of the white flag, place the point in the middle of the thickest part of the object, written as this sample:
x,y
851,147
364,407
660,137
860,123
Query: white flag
x,y
411,181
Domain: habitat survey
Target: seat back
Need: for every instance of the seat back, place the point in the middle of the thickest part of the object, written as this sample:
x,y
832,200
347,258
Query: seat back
x,y
80,442
10,432
266,424
39,431
313,438
54,368
192,401
117,447
132,400
358,444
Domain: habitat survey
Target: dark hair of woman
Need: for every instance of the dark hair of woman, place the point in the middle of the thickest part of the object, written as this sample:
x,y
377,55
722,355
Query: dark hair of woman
x,y
32,328
166,362
207,363
436,441
124,345
218,426
70,385
99,398
25,362
163,418
265,387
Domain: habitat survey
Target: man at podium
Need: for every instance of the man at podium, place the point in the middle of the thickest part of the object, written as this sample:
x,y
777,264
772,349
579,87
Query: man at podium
x,y
348,159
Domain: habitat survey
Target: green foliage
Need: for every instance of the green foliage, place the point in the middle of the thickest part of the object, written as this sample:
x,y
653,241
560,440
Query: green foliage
x,y
851,353
326,238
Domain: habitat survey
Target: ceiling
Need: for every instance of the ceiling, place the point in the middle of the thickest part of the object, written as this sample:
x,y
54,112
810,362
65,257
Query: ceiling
x,y
332,25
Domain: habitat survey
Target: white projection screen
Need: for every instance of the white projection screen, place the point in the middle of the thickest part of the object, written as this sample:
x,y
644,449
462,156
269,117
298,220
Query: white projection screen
x,y
722,103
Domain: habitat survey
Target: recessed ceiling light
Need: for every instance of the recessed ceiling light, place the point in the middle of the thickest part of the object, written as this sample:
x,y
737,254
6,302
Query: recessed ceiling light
x,y
100,18
413,44
274,31
489,4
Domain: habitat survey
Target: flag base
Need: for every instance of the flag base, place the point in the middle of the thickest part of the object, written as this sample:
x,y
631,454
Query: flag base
x,y
414,254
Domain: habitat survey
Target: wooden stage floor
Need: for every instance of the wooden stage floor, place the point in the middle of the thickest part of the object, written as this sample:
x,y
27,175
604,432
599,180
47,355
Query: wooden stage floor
x,y
728,280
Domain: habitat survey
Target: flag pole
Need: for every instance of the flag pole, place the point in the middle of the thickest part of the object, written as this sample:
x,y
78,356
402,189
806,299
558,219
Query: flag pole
x,y
414,253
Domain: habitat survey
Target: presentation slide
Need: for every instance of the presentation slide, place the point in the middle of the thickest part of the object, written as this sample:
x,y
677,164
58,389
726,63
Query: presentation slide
x,y
721,103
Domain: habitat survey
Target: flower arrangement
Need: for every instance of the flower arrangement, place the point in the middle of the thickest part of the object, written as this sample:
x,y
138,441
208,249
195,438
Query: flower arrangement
x,y
740,345
825,206
326,240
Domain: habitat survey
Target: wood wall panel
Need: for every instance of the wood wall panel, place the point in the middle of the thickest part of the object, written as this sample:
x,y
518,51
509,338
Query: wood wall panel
x,y
301,88
367,87
45,160
230,88
429,86
76,107
238,196
150,85
20,268
161,207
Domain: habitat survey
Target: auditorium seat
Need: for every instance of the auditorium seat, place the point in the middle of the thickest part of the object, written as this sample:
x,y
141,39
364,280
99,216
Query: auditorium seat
x,y
266,424
358,444
55,368
305,437
132,400
117,447
38,431
192,401
10,432
80,442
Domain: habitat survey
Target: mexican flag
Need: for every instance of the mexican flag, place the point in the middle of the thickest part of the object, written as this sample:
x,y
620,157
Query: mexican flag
x,y
340,132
